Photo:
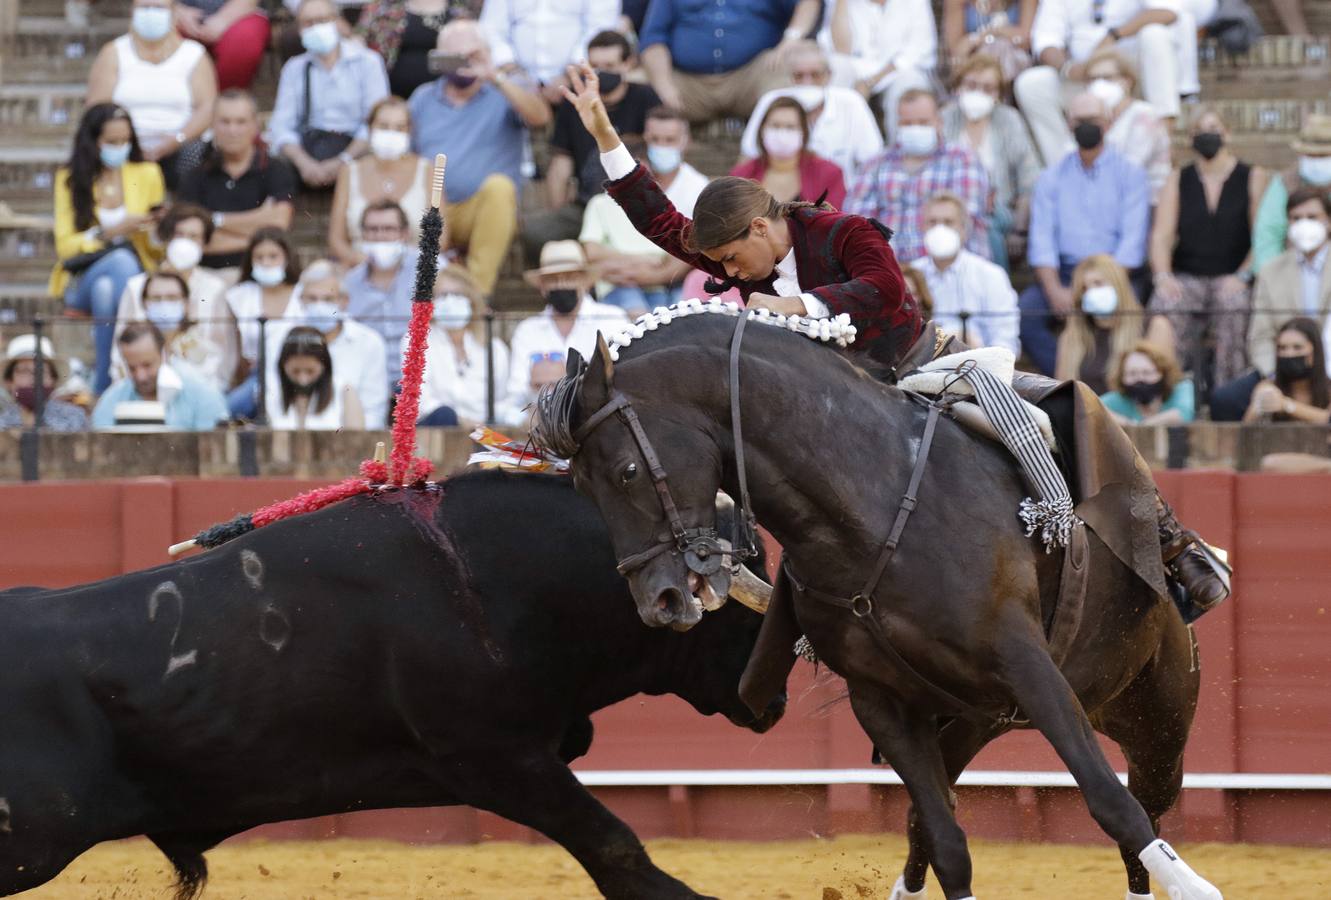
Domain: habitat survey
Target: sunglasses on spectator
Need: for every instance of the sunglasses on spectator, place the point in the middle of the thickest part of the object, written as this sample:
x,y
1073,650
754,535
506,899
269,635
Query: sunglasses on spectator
x,y
553,356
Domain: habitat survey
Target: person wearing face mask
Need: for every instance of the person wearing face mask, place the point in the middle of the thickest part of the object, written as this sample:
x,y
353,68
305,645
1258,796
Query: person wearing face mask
x,y
1092,201
785,167
453,389
573,156
324,98
894,187
268,278
1148,388
165,81
381,288
962,283
478,114
1107,323
1296,281
310,393
107,200
1311,169
881,49
571,317
184,230
1135,130
841,126
165,303
404,32
390,171
1201,252
995,132
188,402
18,404
1298,390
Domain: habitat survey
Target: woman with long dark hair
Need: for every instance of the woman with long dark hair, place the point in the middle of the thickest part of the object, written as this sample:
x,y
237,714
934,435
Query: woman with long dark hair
x,y
310,398
107,200
785,166
1300,390
266,290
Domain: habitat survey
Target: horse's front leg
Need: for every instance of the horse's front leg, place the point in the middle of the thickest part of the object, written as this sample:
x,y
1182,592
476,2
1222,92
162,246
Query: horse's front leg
x,y
1042,693
909,742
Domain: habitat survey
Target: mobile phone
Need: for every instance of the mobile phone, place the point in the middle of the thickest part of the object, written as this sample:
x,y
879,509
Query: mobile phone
x,y
441,63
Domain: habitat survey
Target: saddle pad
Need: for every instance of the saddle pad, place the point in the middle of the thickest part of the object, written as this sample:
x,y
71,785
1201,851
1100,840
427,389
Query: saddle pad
x,y
939,375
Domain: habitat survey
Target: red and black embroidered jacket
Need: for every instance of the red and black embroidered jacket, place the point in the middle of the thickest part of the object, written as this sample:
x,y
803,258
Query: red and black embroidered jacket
x,y
843,260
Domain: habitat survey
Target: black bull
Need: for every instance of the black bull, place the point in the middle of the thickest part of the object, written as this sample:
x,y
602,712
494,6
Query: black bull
x,y
409,648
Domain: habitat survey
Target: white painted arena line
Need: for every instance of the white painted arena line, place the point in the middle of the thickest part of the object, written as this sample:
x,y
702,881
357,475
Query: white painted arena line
x,y
1235,781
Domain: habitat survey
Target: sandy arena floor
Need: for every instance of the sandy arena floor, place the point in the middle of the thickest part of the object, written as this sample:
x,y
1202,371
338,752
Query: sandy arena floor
x,y
847,868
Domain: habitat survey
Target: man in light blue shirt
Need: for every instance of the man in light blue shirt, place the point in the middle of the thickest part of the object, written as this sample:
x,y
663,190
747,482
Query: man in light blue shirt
x,y
345,79
380,289
1091,201
190,402
479,116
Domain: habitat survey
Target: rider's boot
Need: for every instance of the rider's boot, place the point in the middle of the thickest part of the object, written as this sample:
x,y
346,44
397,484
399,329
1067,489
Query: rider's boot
x,y
1187,561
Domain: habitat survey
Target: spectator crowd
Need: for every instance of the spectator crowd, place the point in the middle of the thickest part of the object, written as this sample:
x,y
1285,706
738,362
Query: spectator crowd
x,y
1021,156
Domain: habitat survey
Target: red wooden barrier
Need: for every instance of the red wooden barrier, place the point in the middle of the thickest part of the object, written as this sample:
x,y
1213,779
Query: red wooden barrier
x,y
1265,705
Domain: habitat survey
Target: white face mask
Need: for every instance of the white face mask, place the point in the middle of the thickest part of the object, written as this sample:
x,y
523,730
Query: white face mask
x,y
1315,169
1108,92
269,276
165,314
942,242
1101,300
975,105
320,39
917,140
782,143
324,315
388,145
152,23
383,254
1306,235
452,311
183,254
809,96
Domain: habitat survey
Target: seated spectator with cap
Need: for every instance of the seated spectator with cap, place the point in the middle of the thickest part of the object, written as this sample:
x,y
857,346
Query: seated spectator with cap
x,y
324,98
785,167
716,63
380,289
457,364
1298,280
897,183
240,183
841,126
18,408
479,115
543,36
311,394
881,49
1146,387
573,152
964,285
571,319
181,399
1091,201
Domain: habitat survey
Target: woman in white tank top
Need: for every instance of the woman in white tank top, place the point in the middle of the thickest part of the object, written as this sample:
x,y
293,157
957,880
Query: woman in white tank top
x,y
167,83
390,171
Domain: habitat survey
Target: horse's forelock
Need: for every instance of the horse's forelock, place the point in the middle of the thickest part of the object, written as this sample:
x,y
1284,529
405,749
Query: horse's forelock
x,y
552,420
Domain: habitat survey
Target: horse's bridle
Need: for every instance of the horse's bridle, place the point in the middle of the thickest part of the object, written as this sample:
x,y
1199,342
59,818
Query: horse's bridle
x,y
702,549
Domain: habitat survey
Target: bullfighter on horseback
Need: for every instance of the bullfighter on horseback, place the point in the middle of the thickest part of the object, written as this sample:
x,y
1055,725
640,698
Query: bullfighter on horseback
x,y
807,259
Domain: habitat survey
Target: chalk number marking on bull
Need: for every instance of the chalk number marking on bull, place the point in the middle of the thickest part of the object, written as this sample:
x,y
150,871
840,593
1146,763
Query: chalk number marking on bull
x,y
274,626
167,590
252,566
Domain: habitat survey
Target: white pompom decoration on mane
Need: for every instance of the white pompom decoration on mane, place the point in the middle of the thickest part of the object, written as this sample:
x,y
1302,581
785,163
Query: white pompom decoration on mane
x,y
836,330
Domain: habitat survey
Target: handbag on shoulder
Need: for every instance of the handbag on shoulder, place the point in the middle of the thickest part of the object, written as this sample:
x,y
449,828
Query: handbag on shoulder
x,y
319,142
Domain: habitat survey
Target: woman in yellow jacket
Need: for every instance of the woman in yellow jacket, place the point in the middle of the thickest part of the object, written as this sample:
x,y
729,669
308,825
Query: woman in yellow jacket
x,y
106,199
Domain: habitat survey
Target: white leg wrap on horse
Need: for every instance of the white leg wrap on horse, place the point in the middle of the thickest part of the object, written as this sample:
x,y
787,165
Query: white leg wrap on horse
x,y
1174,875
1132,896
899,891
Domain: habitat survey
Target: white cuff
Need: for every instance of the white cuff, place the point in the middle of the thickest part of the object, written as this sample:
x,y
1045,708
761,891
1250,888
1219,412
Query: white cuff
x,y
815,308
618,163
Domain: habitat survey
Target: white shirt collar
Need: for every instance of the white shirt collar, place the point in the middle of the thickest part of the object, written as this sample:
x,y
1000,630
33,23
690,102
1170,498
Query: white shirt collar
x,y
786,267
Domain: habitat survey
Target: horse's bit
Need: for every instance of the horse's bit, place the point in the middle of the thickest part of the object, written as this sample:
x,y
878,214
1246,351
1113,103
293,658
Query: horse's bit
x,y
701,548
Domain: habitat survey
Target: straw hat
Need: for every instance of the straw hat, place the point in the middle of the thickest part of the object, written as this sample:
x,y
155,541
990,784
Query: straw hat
x,y
25,347
1315,136
559,257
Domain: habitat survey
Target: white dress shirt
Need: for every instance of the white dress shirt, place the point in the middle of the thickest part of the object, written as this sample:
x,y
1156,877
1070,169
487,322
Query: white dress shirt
x,y
901,32
844,133
544,36
1070,24
539,336
980,288
460,385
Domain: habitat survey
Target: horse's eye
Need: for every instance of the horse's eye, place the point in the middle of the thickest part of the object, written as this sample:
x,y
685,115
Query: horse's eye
x,y
629,473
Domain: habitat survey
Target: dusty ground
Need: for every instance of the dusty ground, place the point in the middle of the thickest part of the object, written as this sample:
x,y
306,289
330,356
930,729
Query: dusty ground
x,y
846,868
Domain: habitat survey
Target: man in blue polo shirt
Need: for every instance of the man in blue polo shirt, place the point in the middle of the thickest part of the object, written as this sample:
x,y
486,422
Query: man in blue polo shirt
x,y
717,61
478,115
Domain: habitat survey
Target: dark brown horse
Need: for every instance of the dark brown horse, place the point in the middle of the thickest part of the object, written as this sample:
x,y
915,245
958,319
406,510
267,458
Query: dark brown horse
x,y
828,452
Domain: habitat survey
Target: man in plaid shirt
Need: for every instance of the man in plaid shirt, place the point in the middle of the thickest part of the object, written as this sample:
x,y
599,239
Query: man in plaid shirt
x,y
895,186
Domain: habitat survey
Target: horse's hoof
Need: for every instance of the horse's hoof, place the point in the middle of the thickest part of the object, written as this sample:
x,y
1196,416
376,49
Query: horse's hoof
x,y
1174,875
899,891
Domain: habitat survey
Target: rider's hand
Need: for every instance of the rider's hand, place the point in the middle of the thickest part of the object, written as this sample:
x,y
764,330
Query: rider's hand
x,y
782,306
585,95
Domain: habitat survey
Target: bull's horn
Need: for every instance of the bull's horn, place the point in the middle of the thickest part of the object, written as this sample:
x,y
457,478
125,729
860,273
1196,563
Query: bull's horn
x,y
177,549
751,590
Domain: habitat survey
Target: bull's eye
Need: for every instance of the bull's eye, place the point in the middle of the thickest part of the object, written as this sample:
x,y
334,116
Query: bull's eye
x,y
628,473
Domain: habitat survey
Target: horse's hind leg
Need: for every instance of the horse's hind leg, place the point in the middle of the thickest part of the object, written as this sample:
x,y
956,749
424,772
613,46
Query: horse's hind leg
x,y
909,741
1045,697
1150,721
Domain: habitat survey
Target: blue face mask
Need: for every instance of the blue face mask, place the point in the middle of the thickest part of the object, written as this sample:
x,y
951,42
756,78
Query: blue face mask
x,y
320,39
152,23
1315,169
113,156
664,160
